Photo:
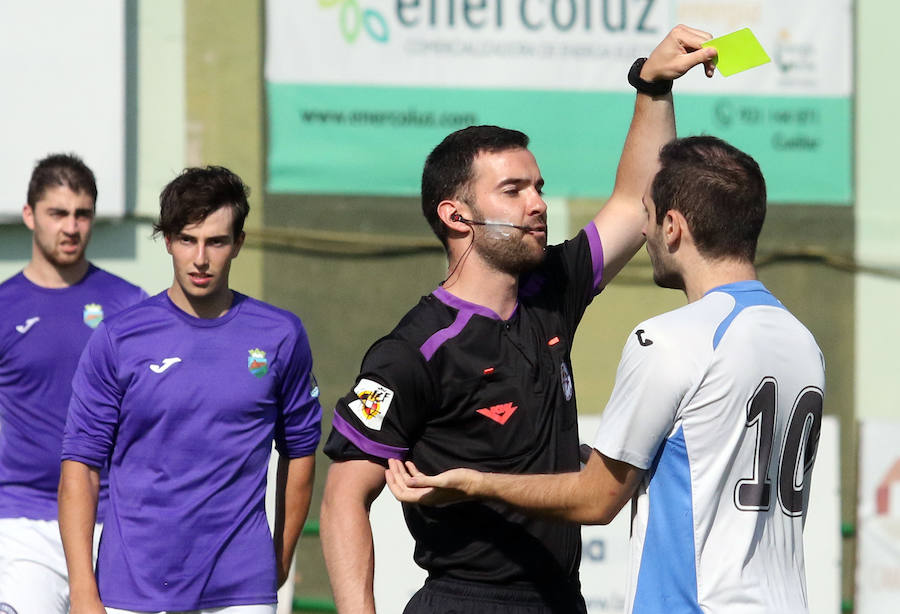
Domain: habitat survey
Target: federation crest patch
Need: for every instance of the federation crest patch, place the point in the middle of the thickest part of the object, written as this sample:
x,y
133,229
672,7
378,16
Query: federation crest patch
x,y
93,314
372,403
313,386
257,362
565,379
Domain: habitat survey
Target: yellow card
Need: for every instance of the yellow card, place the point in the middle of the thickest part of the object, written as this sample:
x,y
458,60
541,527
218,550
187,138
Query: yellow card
x,y
738,51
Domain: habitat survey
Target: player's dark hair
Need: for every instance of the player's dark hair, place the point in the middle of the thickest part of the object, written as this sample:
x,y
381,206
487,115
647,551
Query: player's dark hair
x,y
198,192
448,168
720,191
61,170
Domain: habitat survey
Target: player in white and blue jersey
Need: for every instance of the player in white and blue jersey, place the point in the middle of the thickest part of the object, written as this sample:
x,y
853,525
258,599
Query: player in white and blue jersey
x,y
183,396
713,423
50,309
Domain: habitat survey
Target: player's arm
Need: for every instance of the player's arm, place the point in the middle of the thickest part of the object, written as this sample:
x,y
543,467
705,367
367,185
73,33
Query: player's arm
x,y
293,492
346,533
87,442
620,222
79,490
593,495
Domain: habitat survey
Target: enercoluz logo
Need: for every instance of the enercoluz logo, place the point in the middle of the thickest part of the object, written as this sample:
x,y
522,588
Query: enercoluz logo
x,y
352,19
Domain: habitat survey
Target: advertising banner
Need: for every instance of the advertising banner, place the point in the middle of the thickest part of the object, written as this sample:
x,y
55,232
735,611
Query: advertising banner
x,y
359,91
63,67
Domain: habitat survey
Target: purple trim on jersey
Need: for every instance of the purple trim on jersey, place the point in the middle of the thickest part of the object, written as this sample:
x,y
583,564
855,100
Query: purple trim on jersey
x,y
463,305
436,340
596,252
466,311
365,444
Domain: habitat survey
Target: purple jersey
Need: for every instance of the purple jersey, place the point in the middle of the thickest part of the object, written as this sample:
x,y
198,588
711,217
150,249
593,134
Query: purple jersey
x,y
185,409
42,334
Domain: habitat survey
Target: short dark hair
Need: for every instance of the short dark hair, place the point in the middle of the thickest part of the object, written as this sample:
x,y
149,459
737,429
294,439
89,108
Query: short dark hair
x,y
448,168
61,170
198,192
720,191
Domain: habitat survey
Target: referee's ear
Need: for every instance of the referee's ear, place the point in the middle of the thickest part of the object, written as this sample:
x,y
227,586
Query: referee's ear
x,y
453,214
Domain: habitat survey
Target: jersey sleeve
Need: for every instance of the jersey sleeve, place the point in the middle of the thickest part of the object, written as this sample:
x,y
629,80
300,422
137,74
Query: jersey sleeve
x,y
299,425
93,414
650,385
386,409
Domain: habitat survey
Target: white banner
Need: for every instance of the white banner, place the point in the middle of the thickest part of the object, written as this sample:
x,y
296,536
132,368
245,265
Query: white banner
x,y
878,518
63,67
577,45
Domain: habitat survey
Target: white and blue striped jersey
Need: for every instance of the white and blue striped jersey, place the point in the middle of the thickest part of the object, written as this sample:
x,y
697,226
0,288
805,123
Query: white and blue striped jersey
x,y
721,402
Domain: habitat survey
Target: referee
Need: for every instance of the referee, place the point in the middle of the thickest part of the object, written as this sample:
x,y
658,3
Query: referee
x,y
478,374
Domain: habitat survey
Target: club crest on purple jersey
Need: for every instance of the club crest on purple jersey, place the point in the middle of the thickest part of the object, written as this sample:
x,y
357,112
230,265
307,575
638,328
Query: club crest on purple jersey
x,y
93,314
257,362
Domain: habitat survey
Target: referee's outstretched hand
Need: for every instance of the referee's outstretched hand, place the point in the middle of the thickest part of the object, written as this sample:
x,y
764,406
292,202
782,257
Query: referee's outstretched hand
x,y
678,52
409,485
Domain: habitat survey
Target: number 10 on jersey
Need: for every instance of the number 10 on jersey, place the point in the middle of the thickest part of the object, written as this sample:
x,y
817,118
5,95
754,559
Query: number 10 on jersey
x,y
796,454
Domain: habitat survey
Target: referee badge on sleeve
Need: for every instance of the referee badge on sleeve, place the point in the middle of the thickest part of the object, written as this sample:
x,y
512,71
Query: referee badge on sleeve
x,y
372,403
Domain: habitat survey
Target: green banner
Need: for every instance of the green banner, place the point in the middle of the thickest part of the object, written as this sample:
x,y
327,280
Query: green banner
x,y
335,139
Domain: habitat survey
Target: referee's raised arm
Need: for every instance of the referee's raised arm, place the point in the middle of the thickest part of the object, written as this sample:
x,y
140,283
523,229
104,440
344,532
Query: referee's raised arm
x,y
621,219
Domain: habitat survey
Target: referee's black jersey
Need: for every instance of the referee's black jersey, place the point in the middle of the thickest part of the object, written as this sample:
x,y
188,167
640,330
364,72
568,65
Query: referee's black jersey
x,y
453,385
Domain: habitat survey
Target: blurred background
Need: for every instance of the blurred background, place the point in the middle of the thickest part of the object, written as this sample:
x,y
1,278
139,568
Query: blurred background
x,y
327,109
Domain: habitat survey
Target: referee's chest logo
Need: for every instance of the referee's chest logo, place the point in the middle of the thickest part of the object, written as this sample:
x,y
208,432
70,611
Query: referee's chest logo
x,y
372,403
565,378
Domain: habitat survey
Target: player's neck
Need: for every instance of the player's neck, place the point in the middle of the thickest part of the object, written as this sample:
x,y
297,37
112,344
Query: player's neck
x,y
477,282
46,274
705,278
205,307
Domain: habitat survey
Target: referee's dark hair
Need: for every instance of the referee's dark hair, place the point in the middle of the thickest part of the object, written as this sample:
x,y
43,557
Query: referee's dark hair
x,y
198,192
448,168
61,170
720,191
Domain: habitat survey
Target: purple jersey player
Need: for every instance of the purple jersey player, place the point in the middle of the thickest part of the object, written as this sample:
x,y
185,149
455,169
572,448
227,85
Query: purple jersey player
x,y
50,309
183,395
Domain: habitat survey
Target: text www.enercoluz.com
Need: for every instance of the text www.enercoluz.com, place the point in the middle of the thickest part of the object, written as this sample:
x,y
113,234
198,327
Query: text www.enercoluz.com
x,y
407,118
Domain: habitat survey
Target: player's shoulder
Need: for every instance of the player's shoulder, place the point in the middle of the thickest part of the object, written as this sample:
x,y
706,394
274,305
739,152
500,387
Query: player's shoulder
x,y
751,304
682,328
430,315
14,284
101,275
267,314
405,342
109,280
149,311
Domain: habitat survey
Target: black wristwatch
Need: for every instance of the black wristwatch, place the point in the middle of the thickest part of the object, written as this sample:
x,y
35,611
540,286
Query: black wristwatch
x,y
652,88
